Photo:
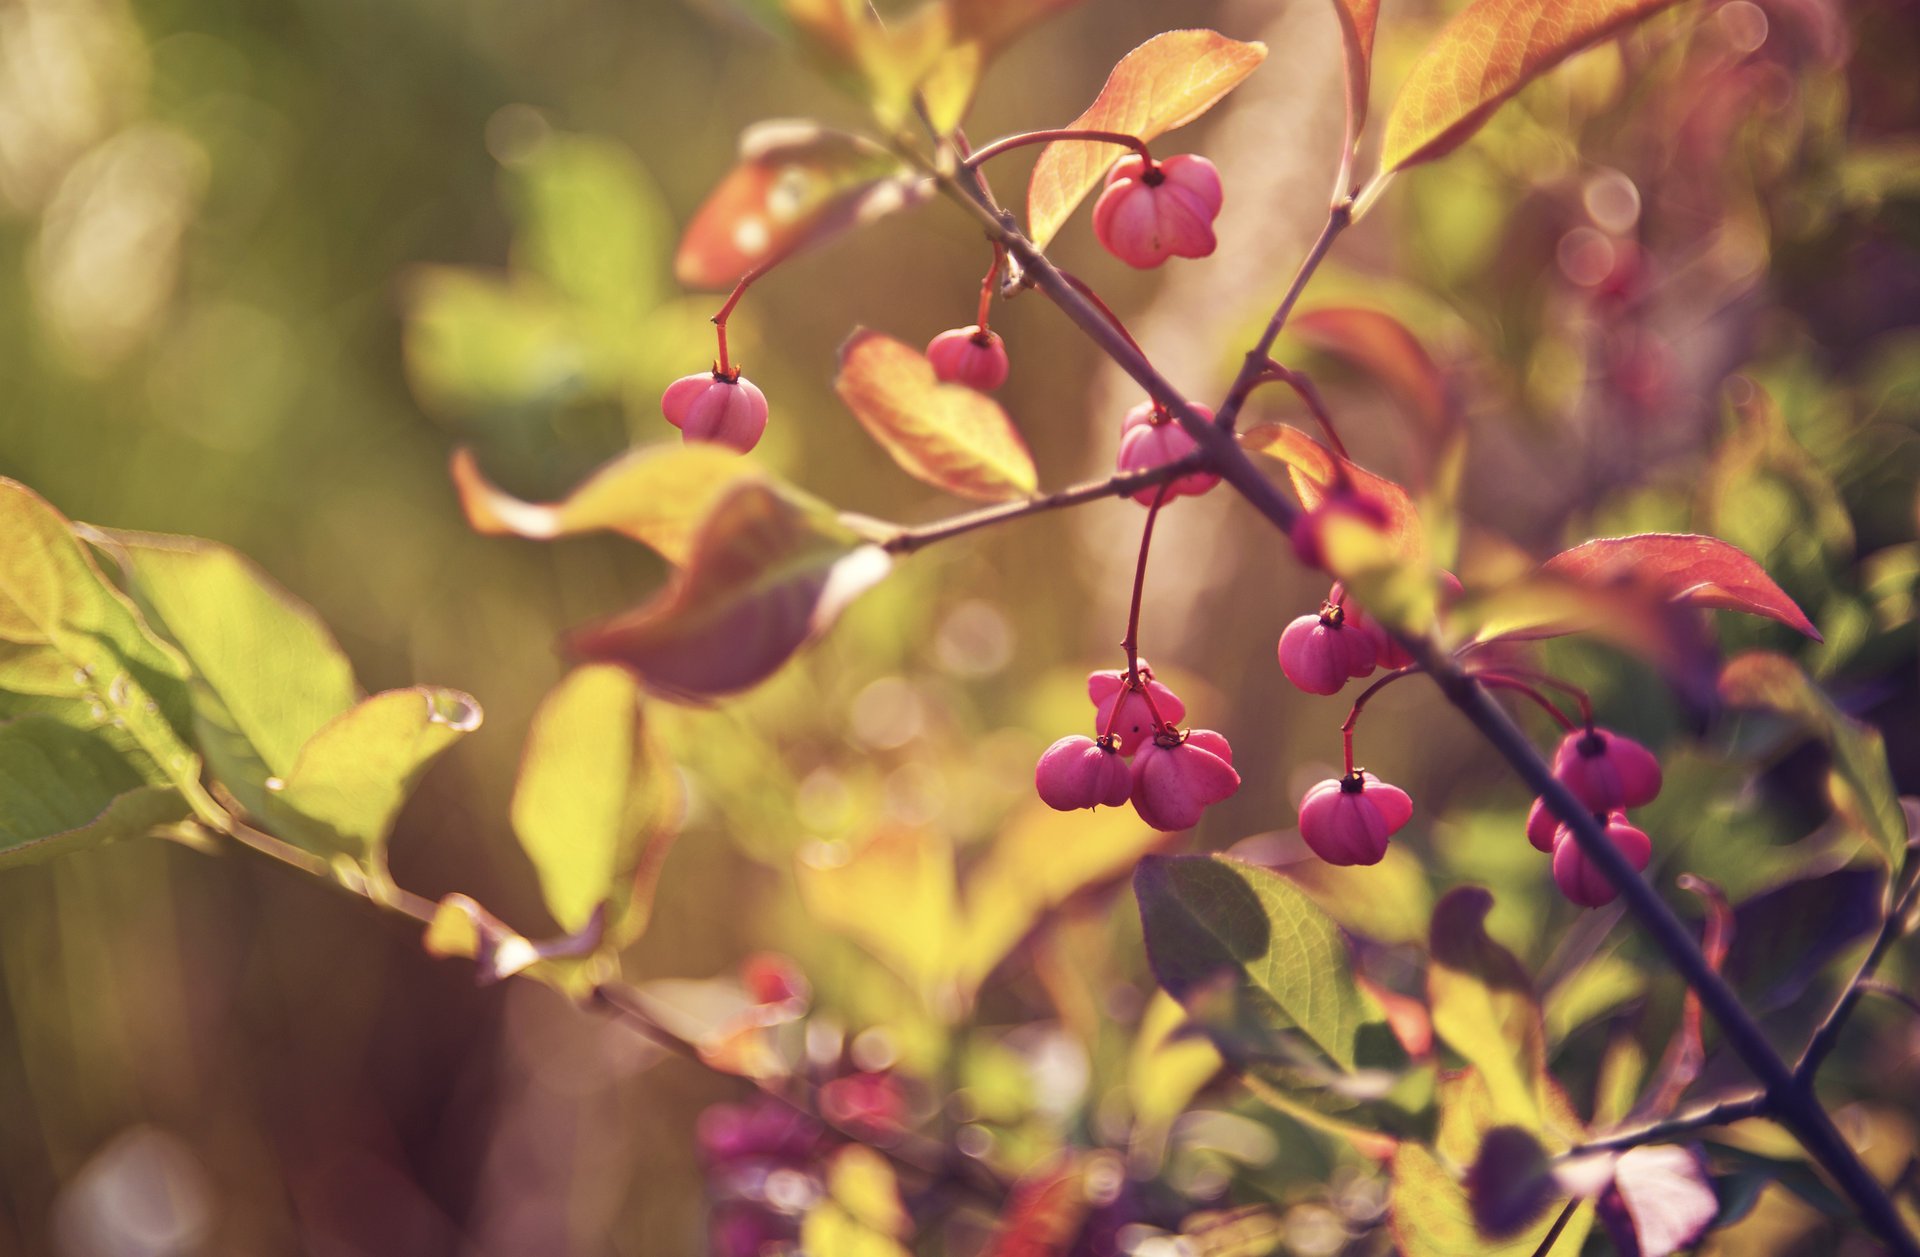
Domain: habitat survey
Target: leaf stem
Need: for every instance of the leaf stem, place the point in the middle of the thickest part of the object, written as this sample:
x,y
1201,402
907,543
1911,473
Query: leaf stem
x,y
1719,1113
987,285
907,540
1827,1035
1353,716
1131,643
1011,142
1501,681
1552,1236
1316,405
1261,355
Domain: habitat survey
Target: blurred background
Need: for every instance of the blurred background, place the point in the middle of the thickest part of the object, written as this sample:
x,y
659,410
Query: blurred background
x,y
263,265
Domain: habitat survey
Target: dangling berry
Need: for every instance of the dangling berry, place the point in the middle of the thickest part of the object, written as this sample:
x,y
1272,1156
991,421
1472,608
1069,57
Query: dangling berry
x,y
1320,653
1149,438
971,356
1175,779
1151,211
1135,723
1579,878
711,406
1387,652
1078,772
1347,820
1309,527
1606,771
1542,825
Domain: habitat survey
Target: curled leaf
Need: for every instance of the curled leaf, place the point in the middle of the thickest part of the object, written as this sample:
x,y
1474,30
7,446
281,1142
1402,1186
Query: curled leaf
x,y
1380,345
765,575
1488,52
1165,83
1317,473
1684,568
1357,19
948,435
797,185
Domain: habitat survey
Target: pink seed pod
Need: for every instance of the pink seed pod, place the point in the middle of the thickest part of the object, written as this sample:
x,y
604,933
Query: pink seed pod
x,y
1542,825
708,406
1387,652
1176,781
1150,212
1078,772
1135,723
1606,771
969,356
1347,820
1320,653
1578,878
1150,438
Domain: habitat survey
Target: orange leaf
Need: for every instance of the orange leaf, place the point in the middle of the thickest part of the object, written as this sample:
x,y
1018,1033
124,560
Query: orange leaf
x,y
1491,50
1317,471
1357,19
1683,568
797,185
1165,83
766,574
1380,345
978,30
945,434
656,495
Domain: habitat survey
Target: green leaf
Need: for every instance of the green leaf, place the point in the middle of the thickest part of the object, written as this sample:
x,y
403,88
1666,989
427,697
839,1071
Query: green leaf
x,y
595,804
351,777
1213,923
951,436
895,895
766,574
1484,1007
74,648
1388,902
1430,1215
1163,84
267,673
62,789
1486,54
591,224
1859,781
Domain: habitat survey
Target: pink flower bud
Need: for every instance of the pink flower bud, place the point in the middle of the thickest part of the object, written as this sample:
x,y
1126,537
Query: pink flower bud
x,y
1606,771
707,406
969,356
1319,653
1387,652
1135,723
1347,820
1579,878
1079,772
1149,438
1149,213
1174,782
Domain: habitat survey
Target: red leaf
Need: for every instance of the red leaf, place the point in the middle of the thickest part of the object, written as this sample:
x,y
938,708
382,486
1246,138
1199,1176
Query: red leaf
x,y
1165,83
1317,471
1691,570
1380,345
1357,19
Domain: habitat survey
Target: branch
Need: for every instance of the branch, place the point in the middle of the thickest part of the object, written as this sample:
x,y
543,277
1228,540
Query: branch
x,y
1719,1113
907,540
1827,1035
1260,357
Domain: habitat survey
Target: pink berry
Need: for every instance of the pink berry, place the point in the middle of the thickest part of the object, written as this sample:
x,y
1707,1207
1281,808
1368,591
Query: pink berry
x,y
709,406
1347,820
1149,213
1606,771
1320,653
1078,772
1579,878
969,356
1388,652
1135,723
1175,780
1542,825
1149,438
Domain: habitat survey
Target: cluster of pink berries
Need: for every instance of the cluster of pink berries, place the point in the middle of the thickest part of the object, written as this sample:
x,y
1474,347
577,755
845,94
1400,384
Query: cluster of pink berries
x,y
1149,438
1608,774
1174,774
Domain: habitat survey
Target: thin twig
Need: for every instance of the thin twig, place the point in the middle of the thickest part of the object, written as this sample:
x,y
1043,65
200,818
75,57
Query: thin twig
x,y
1827,1035
1719,1113
907,540
1548,1240
1260,357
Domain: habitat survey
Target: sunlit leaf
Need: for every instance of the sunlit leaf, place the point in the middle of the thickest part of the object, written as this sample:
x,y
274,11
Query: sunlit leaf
x,y
894,895
1165,83
878,60
1430,1216
462,928
1169,1063
1214,922
1690,570
72,647
732,1029
1488,52
979,29
1380,345
1859,781
478,343
862,1182
352,775
1040,859
1484,1007
797,185
829,1228
590,223
658,495
595,803
1317,472
62,789
765,575
1388,902
948,435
